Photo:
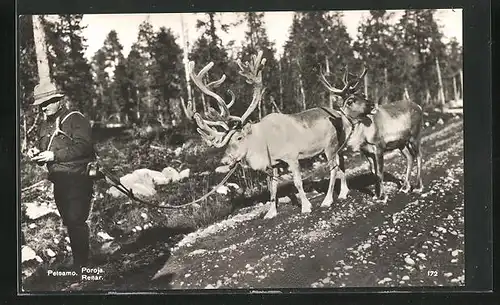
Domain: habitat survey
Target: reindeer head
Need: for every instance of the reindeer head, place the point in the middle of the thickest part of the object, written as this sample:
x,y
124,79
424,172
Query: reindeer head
x,y
353,102
219,129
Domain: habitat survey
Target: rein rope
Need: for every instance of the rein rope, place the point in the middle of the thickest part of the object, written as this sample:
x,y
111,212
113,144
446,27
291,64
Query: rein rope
x,y
129,193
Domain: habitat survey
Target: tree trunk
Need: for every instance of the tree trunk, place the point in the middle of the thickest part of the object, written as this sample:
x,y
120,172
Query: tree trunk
x,y
406,94
27,131
138,111
185,46
101,90
462,83
260,109
330,94
150,104
441,92
281,84
301,88
188,109
265,108
24,145
386,85
41,50
366,85
204,103
274,104
455,89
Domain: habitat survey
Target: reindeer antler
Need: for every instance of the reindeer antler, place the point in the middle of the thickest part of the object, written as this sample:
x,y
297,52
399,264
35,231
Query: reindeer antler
x,y
349,85
211,135
207,89
206,126
253,74
332,88
358,78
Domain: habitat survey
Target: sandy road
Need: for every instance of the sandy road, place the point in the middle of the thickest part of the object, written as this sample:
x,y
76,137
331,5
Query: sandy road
x,y
412,240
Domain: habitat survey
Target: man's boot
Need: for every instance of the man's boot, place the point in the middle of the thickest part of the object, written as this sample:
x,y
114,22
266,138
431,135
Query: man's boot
x,y
79,240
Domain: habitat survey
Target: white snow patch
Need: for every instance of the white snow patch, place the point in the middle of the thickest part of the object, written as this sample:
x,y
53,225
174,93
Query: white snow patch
x,y
189,239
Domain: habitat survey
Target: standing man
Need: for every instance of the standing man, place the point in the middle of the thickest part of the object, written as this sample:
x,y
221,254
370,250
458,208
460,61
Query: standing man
x,y
66,148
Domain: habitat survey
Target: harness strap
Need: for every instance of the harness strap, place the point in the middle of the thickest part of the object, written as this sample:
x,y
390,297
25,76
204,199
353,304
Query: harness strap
x,y
339,149
72,112
353,125
58,129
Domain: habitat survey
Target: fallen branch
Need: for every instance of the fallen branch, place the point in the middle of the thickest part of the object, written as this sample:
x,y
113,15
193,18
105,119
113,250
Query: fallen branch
x,y
189,109
117,150
32,186
157,147
274,104
34,124
27,130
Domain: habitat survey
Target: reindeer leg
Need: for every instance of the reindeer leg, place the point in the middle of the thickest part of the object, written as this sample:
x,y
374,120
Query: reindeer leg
x,y
332,163
371,162
379,171
297,179
409,165
273,188
344,189
420,186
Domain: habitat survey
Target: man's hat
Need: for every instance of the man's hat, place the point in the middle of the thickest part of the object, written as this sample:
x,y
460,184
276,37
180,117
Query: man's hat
x,y
44,92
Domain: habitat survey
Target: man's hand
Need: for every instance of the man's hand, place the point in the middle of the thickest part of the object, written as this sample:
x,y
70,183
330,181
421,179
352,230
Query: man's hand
x,y
44,156
32,152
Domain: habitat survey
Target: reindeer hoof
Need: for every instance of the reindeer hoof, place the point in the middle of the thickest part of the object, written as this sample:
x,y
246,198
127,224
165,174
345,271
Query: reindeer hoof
x,y
419,190
405,189
306,209
326,203
270,214
381,199
342,196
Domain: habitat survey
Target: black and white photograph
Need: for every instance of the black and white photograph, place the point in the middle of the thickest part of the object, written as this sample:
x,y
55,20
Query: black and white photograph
x,y
241,150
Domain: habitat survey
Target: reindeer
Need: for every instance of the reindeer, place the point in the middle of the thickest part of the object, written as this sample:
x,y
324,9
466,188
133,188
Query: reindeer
x,y
276,140
375,129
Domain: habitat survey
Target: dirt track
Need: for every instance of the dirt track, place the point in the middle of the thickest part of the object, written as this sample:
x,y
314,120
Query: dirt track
x,y
412,240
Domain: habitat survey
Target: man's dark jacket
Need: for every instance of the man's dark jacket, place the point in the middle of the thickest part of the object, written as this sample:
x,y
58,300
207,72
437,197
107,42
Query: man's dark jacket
x,y
74,149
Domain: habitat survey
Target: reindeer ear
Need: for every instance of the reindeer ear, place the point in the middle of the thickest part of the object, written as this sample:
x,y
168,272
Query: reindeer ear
x,y
247,128
337,102
234,124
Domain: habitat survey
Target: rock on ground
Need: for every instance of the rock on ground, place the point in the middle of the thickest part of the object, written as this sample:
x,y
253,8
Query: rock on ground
x,y
171,173
27,254
35,210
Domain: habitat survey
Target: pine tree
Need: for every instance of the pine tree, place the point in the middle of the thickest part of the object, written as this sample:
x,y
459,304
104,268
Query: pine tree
x,y
101,86
453,67
138,86
256,40
27,79
209,48
376,45
69,69
167,74
316,38
145,41
109,63
420,42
